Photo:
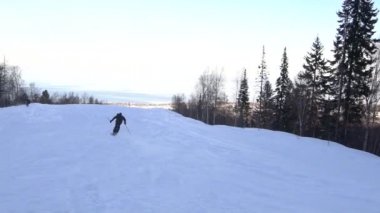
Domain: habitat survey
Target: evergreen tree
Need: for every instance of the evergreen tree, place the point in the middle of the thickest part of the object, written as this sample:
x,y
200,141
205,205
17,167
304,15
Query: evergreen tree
x,y
262,79
313,80
353,54
283,91
243,101
267,106
3,85
45,97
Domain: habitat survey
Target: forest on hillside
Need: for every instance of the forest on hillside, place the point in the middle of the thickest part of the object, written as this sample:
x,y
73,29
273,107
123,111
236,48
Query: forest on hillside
x,y
334,99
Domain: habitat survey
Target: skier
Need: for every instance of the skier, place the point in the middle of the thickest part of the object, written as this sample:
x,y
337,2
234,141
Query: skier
x,y
27,102
119,119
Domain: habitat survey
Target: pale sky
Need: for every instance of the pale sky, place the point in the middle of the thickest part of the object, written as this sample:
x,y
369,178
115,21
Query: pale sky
x,y
159,47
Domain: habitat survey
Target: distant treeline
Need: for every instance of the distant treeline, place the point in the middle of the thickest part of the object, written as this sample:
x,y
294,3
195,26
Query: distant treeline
x,y
13,91
329,99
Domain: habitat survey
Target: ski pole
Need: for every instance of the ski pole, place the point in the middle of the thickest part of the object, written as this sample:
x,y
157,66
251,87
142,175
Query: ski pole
x,y
127,129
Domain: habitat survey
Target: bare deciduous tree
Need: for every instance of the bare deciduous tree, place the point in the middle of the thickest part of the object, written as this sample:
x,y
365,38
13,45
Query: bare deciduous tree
x,y
179,104
209,96
372,100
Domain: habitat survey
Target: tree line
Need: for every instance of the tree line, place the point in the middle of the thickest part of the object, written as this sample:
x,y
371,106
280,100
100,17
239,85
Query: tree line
x,y
13,91
329,99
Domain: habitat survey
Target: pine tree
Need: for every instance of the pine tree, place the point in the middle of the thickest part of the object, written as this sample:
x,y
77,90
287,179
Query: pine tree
x,y
262,79
243,101
3,85
313,80
283,90
45,97
353,54
267,106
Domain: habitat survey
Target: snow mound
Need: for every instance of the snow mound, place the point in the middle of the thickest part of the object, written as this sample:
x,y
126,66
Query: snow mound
x,y
63,159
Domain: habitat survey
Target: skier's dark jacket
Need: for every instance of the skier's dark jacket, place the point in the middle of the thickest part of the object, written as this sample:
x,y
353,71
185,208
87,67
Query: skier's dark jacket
x,y
119,119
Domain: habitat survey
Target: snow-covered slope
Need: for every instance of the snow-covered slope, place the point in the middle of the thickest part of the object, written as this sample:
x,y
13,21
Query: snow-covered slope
x,y
63,159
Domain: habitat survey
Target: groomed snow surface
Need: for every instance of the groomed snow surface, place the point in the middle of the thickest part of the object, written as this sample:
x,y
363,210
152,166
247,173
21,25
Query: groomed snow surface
x,y
62,159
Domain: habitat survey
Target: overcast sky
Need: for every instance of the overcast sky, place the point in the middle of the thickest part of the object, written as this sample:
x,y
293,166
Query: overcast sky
x,y
159,47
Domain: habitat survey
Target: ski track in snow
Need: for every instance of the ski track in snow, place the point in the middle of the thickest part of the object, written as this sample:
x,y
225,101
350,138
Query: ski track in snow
x,y
63,159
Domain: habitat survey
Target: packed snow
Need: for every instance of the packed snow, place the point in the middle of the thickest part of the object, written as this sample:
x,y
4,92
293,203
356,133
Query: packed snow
x,y
64,159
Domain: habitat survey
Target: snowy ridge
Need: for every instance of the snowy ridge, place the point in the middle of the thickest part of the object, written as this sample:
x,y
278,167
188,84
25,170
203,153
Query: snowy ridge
x,y
63,159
